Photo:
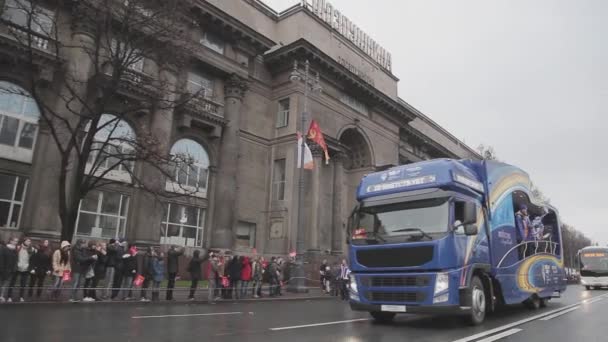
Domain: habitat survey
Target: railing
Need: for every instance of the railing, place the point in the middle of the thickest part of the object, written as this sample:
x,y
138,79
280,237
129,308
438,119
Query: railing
x,y
530,248
23,34
205,104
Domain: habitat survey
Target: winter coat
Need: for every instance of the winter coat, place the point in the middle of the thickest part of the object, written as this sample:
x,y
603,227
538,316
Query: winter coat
x,y
8,262
100,265
158,269
234,269
41,262
78,260
173,260
212,270
112,256
257,271
194,267
58,267
144,264
24,255
246,270
129,263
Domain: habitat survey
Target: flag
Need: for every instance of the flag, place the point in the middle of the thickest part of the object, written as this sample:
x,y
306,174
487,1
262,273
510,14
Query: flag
x,y
308,161
315,134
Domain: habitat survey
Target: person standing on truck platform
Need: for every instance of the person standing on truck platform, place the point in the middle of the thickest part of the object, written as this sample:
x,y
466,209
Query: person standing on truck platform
x,y
522,225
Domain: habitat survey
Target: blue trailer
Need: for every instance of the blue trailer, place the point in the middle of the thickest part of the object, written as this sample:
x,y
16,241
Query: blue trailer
x,y
440,237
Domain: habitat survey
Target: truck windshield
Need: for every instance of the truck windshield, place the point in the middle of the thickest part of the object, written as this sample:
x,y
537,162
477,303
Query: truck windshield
x,y
594,263
412,220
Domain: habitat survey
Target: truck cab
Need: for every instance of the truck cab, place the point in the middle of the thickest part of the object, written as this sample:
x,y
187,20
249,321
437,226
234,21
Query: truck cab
x,y
422,240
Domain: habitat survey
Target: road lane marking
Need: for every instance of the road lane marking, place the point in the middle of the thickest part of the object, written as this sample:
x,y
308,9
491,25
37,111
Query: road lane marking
x,y
523,321
591,301
560,313
501,335
190,315
320,324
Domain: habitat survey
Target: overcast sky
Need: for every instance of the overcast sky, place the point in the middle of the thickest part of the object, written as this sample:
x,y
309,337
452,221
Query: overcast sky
x,y
529,78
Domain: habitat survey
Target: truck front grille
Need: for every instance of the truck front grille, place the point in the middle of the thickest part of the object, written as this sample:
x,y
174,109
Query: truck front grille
x,y
396,297
394,281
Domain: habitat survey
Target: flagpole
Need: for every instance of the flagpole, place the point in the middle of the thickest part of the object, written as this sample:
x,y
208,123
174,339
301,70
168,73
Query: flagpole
x,y
298,283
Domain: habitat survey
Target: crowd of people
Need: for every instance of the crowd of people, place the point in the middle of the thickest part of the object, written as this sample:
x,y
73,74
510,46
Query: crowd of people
x,y
335,280
95,271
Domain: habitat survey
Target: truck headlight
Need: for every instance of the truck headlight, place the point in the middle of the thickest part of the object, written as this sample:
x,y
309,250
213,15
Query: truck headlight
x,y
442,283
353,284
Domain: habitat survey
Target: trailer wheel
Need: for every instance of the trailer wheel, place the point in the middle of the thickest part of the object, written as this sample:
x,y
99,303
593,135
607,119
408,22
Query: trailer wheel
x,y
383,317
478,302
588,288
543,302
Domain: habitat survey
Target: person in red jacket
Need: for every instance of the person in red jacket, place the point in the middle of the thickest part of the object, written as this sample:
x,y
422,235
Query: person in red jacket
x,y
245,276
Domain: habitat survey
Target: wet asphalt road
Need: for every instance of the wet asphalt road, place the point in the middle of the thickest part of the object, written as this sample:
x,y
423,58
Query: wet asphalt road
x,y
565,319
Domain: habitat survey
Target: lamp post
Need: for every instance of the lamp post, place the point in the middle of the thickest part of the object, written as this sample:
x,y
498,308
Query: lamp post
x,y
311,84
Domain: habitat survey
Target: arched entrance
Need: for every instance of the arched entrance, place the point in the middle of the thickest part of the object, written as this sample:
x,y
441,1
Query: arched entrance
x,y
356,148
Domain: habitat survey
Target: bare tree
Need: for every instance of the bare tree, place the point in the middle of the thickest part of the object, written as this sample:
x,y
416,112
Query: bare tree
x,y
98,49
486,152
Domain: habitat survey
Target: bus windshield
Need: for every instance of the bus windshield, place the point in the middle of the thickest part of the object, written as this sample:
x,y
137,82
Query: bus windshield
x,y
594,263
415,220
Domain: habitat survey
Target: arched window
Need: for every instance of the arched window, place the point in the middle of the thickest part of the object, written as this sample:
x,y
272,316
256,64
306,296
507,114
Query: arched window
x,y
192,171
112,151
19,117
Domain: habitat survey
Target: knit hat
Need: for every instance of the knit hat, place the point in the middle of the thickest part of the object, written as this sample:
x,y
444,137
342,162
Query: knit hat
x,y
64,244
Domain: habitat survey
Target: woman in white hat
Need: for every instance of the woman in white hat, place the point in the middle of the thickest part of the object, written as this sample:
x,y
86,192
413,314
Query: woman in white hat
x,y
61,266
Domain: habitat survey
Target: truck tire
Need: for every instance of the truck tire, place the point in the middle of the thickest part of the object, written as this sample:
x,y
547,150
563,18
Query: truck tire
x,y
533,303
588,288
543,302
478,302
383,317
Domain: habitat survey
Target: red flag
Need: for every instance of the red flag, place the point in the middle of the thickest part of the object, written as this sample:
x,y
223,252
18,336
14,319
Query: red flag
x,y
315,134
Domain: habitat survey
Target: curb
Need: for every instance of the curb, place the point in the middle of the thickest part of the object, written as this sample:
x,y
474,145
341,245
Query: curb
x,y
166,302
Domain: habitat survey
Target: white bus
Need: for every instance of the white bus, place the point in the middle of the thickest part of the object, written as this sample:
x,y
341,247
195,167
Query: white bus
x,y
593,264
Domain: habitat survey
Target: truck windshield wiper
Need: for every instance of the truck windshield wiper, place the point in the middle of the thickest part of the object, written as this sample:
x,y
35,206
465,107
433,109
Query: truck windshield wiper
x,y
413,230
377,236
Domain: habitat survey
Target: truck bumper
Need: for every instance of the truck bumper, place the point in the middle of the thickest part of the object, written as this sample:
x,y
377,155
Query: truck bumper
x,y
432,310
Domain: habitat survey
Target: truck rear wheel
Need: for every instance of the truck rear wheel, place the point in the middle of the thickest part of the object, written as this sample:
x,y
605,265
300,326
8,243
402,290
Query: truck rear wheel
x,y
533,303
588,288
383,317
478,302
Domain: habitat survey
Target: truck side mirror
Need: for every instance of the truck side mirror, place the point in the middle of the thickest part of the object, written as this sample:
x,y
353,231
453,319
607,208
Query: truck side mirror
x,y
470,213
471,229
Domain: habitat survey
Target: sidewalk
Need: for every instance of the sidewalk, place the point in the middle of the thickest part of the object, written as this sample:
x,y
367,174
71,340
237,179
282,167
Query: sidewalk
x,y
180,296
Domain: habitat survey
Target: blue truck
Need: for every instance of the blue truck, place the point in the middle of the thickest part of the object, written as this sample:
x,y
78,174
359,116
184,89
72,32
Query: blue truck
x,y
440,237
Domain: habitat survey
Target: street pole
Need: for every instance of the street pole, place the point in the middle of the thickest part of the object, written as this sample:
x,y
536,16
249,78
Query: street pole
x,y
298,281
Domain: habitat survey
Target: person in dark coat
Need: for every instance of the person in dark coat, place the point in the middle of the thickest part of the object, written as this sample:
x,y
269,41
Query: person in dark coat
x,y
121,250
129,270
8,266
146,269
87,265
41,265
234,273
100,268
24,254
112,258
196,274
172,268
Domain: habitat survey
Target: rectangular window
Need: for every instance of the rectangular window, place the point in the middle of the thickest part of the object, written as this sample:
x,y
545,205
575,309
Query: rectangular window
x,y
12,193
18,12
283,113
182,225
102,214
245,234
214,42
278,180
199,84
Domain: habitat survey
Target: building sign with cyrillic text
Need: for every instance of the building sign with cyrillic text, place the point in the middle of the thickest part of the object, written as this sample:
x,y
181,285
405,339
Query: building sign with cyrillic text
x,y
326,12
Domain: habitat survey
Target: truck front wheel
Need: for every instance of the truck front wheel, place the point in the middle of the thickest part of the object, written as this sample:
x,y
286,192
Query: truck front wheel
x,y
478,302
383,317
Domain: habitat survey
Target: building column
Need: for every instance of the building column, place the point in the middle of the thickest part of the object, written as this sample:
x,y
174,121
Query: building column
x,y
145,208
41,212
316,205
340,215
227,182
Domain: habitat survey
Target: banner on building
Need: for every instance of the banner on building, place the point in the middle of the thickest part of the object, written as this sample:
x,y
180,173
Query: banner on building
x,y
308,161
315,134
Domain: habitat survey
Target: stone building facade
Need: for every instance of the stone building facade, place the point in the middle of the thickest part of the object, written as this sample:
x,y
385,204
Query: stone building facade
x,y
243,137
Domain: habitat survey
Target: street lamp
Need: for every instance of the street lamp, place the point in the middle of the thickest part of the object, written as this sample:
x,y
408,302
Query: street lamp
x,y
311,84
